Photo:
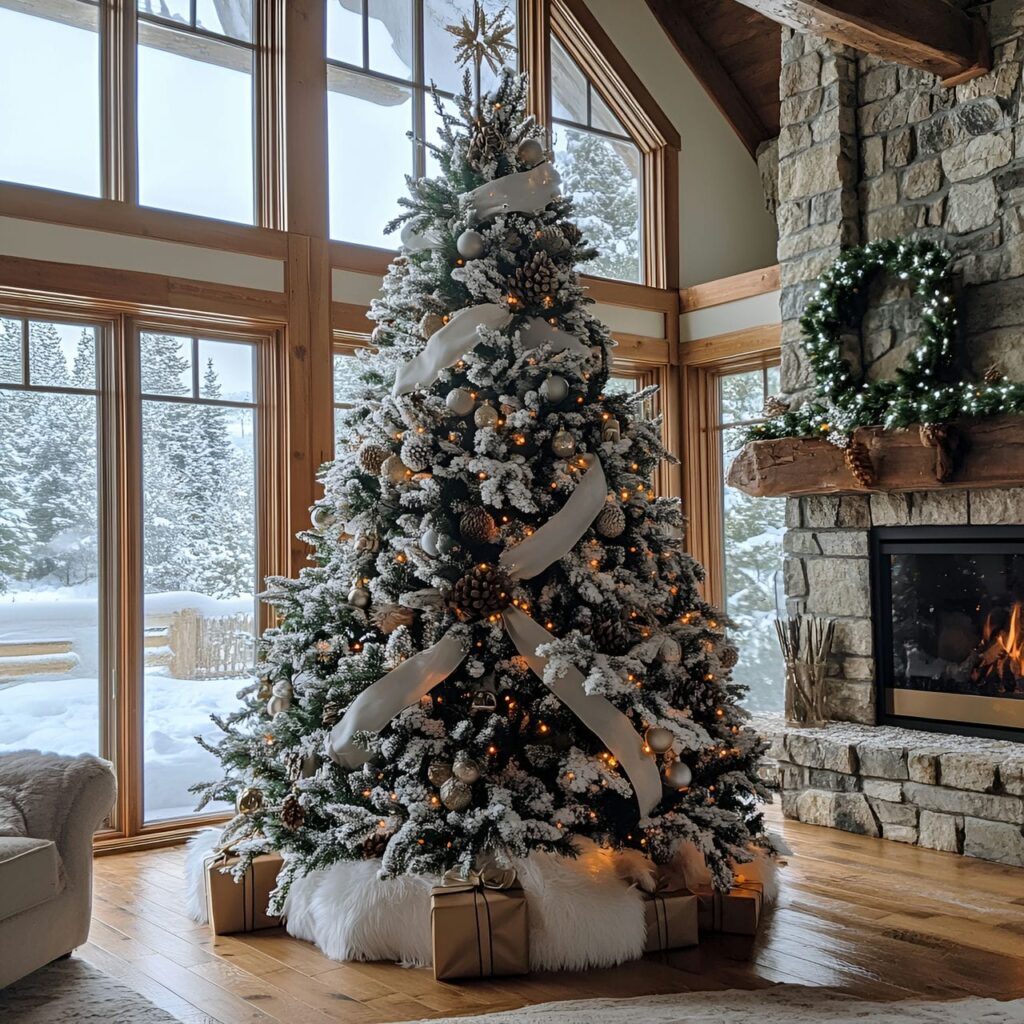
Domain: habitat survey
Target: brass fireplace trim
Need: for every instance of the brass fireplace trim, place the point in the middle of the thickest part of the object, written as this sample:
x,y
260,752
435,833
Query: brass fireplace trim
x,y
970,709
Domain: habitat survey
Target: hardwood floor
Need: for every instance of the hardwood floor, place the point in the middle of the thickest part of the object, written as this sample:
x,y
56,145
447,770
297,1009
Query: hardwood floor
x,y
873,918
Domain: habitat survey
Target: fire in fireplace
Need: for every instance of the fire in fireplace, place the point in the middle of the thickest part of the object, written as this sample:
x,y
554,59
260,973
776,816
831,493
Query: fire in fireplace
x,y
949,628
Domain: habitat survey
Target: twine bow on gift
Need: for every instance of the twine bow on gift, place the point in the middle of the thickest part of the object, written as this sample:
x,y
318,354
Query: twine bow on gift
x,y
403,686
489,876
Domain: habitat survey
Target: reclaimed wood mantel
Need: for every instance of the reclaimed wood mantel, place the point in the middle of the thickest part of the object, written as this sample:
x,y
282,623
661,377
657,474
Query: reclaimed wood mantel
x,y
991,455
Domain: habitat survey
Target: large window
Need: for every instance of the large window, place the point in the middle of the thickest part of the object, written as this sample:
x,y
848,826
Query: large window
x,y
50,94
752,530
601,168
133,543
382,56
196,107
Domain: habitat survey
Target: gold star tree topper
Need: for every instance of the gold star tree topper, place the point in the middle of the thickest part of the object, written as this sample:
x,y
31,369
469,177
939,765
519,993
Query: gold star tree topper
x,y
482,40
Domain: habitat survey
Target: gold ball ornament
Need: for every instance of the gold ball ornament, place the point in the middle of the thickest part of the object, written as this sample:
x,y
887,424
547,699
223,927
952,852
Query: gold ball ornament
x,y
465,768
678,774
278,705
456,795
459,401
250,800
659,739
430,324
359,597
266,690
486,416
395,470
428,542
563,444
438,772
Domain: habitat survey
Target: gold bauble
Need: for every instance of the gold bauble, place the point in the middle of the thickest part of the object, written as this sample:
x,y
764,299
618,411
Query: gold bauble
x,y
456,795
250,800
659,739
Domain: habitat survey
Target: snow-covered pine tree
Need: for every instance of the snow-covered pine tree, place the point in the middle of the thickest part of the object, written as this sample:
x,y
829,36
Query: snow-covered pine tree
x,y
484,659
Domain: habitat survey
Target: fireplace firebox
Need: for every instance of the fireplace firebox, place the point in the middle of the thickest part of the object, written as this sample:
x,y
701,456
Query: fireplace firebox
x,y
948,606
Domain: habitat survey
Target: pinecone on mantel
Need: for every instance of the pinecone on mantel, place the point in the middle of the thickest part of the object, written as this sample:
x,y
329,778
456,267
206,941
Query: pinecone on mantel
x,y
858,462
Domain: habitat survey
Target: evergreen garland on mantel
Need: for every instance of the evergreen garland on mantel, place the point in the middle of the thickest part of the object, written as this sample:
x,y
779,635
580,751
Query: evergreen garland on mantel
x,y
926,391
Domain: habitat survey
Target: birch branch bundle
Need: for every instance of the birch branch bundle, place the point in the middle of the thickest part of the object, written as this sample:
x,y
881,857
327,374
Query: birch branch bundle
x,y
806,645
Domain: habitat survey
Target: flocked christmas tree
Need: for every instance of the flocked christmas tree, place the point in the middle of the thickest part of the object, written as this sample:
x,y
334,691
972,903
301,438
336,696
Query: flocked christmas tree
x,y
502,646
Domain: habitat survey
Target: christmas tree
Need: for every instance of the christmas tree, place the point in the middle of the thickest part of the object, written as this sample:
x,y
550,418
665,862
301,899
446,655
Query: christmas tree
x,y
502,646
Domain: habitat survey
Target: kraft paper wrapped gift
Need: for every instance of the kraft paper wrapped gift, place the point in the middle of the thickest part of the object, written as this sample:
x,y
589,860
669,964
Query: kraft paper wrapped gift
x,y
735,912
479,931
240,906
671,920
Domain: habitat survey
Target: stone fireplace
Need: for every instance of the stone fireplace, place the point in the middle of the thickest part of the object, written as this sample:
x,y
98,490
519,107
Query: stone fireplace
x,y
872,150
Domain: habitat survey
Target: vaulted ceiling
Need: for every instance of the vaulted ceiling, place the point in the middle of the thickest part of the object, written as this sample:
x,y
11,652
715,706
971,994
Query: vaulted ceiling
x,y
735,54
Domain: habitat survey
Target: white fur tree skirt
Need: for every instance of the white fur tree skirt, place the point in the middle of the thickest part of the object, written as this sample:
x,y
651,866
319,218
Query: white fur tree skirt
x,y
583,913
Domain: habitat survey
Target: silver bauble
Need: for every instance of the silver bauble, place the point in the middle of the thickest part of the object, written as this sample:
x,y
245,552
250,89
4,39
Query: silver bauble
x,y
282,688
531,152
322,517
678,774
359,597
563,444
470,244
429,542
456,795
395,470
486,416
659,739
465,768
554,389
460,401
438,772
670,652
278,705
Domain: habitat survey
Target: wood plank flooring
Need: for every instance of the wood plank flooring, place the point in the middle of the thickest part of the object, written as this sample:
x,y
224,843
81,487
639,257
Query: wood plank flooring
x,y
869,917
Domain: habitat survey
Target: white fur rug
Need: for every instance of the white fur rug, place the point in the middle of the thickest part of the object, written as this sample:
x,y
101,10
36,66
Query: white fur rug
x,y
583,913
783,1004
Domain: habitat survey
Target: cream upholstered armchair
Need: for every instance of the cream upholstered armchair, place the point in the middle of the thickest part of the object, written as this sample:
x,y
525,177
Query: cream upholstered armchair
x,y
50,806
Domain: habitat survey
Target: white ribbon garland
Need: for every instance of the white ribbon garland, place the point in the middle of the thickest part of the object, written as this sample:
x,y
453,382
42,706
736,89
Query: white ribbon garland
x,y
405,685
416,240
524,192
537,331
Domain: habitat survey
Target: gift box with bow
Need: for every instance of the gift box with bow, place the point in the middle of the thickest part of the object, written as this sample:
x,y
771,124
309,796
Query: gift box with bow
x,y
479,926
240,906
672,919
736,912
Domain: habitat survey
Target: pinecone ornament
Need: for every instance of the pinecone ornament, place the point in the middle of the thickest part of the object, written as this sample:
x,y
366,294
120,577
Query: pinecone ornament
x,y
417,453
477,526
552,241
858,462
994,374
610,521
388,617
371,457
945,439
484,146
536,281
484,590
293,814
612,636
728,657
571,232
775,406
331,713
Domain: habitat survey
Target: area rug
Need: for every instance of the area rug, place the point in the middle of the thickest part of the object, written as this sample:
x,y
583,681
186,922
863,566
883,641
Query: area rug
x,y
783,1004
74,992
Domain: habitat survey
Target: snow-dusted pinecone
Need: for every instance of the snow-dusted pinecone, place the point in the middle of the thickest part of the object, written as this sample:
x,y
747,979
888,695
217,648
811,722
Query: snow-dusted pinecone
x,y
612,636
293,814
417,452
858,462
610,521
571,232
552,241
484,590
477,526
484,146
331,713
293,764
728,657
372,456
775,406
535,281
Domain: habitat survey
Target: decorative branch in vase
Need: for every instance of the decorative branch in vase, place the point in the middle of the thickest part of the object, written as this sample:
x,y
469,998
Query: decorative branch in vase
x,y
806,644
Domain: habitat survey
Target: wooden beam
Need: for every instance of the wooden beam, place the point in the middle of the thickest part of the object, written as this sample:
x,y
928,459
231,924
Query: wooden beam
x,y
729,289
930,35
795,466
701,60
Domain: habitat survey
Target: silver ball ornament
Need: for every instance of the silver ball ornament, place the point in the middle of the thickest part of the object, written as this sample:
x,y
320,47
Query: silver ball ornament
x,y
531,152
456,795
459,401
486,416
554,389
659,739
465,768
429,542
678,774
322,517
470,244
359,597
563,444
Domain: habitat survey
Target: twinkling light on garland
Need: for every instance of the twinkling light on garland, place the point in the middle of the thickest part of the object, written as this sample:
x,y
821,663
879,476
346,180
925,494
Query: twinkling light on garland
x,y
924,390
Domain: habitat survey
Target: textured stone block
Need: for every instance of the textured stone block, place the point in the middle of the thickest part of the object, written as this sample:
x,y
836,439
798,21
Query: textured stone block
x,y
795,574
923,766
899,148
850,701
1011,774
977,157
893,813
882,762
971,207
800,542
815,752
1002,506
801,75
858,668
1009,809
847,811
853,636
993,840
922,178
899,833
885,790
967,771
838,782
838,586
940,831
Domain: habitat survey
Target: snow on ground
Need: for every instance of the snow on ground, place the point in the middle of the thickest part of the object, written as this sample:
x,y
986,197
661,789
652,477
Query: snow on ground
x,y
61,715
